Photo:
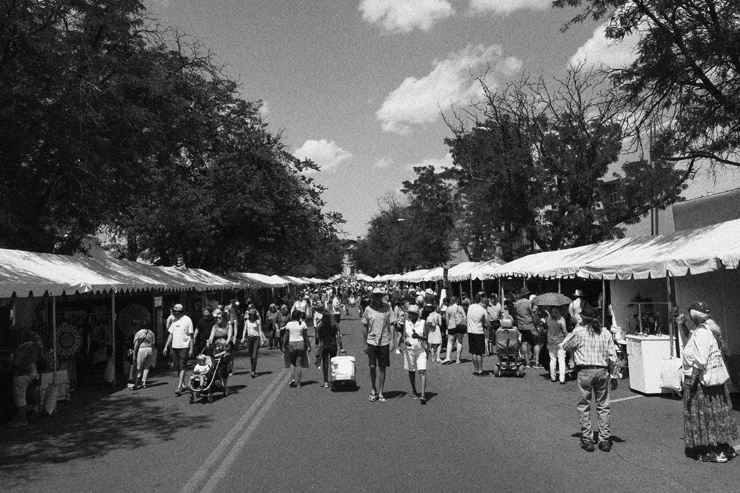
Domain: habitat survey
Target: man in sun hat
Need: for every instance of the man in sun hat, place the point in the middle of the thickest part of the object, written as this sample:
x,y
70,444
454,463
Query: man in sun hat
x,y
377,319
596,361
181,340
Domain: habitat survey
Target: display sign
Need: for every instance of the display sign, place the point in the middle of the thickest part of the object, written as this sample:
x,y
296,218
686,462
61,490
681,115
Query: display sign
x,y
157,301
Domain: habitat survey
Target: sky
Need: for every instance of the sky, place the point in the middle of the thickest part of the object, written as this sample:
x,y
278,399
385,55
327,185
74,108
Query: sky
x,y
360,86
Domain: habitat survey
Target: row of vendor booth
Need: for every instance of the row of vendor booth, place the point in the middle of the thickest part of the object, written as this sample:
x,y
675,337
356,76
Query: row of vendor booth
x,y
74,303
642,281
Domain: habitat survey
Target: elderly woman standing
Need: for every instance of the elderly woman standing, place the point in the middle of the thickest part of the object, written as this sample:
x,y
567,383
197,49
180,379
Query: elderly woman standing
x,y
709,426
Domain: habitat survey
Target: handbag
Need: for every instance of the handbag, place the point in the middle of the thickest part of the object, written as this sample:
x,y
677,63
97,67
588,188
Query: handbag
x,y
671,374
716,372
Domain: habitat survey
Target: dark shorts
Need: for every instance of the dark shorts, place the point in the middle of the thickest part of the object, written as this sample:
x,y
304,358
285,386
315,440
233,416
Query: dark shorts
x,y
477,344
179,358
337,318
379,355
458,329
532,337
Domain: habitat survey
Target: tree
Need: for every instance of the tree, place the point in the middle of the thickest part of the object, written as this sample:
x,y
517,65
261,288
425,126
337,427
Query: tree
x,y
684,85
385,249
532,171
109,123
430,218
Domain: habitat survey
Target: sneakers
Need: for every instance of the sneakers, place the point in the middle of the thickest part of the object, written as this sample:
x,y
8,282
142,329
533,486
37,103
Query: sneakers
x,y
587,445
605,446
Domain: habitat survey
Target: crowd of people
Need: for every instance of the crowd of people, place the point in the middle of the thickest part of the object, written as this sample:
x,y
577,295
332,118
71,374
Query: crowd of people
x,y
415,323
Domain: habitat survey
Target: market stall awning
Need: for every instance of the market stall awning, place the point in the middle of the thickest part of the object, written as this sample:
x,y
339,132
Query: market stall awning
x,y
694,251
414,275
435,274
298,281
255,280
481,270
461,272
557,263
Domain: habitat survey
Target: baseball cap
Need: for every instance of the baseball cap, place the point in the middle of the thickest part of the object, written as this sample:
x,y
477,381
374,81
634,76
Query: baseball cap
x,y
699,306
177,307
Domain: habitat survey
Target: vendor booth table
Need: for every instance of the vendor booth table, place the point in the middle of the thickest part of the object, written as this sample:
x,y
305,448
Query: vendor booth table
x,y
646,354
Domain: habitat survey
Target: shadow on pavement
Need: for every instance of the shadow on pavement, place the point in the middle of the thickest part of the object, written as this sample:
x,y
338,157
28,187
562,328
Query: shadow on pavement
x,y
92,432
394,394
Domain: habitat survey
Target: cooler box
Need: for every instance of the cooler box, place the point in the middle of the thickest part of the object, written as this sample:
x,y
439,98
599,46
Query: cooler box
x,y
343,372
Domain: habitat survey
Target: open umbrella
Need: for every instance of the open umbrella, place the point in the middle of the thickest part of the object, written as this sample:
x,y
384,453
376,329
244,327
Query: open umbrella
x,y
551,299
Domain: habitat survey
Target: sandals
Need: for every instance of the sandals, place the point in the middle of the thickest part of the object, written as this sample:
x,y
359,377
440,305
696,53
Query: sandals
x,y
381,398
373,397
712,457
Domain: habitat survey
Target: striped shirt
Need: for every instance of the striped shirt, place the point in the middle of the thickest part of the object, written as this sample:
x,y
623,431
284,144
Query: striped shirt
x,y
590,348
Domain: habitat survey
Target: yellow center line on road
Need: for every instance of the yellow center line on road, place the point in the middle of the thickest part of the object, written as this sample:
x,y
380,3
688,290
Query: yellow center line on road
x,y
626,398
221,454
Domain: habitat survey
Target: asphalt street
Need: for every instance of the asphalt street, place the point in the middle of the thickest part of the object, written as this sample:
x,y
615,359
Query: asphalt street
x,y
475,434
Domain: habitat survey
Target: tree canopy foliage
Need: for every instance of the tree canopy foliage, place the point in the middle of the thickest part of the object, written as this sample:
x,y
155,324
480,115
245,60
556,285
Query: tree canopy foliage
x,y
533,172
411,231
683,86
109,121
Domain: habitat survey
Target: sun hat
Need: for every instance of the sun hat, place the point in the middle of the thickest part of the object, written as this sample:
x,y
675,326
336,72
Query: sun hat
x,y
413,309
589,312
429,291
378,291
524,292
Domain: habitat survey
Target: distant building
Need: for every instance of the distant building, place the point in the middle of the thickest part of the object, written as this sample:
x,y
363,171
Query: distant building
x,y
349,248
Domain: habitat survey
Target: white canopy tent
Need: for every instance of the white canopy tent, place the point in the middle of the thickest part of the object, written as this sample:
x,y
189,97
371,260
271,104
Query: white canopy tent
x,y
695,251
461,272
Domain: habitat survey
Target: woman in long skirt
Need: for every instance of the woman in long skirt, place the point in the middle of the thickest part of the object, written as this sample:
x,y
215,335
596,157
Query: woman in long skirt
x,y
709,426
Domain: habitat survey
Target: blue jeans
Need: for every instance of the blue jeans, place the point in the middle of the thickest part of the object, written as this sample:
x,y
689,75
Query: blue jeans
x,y
253,347
594,381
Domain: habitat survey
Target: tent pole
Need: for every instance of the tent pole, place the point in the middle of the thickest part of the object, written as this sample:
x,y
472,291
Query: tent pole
x,y
603,301
670,315
113,332
471,288
560,290
54,335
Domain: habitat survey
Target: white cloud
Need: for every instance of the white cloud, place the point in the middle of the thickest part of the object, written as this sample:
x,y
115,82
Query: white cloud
x,y
264,109
405,15
438,164
327,154
601,51
419,101
508,6
383,162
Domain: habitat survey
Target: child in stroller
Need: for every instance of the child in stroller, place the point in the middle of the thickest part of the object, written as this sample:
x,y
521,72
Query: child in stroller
x,y
508,341
200,371
215,378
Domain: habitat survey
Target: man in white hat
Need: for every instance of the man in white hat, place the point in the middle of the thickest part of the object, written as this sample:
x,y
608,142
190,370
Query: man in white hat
x,y
376,330
181,341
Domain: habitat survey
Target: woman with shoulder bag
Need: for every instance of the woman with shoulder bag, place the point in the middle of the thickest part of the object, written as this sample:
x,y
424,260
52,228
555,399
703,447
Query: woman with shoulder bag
x,y
709,426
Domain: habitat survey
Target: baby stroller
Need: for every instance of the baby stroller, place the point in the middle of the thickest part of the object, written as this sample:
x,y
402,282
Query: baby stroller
x,y
216,378
507,349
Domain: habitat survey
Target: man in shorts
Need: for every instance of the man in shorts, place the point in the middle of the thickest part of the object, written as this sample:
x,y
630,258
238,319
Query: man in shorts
x,y
526,321
377,319
181,341
477,326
